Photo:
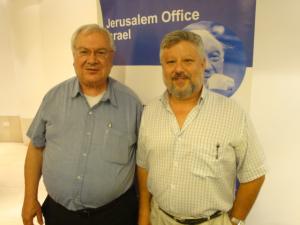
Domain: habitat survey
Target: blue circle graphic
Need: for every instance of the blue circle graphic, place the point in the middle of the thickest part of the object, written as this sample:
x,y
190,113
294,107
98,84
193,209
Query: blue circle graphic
x,y
226,60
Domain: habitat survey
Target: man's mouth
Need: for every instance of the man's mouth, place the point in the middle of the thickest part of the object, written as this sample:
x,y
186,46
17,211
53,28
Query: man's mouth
x,y
92,69
180,76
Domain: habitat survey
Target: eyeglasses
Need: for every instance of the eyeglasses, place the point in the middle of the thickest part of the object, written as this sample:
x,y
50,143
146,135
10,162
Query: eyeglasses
x,y
99,53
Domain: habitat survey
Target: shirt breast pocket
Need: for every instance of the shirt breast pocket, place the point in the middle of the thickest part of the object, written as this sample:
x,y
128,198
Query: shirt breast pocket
x,y
207,165
118,146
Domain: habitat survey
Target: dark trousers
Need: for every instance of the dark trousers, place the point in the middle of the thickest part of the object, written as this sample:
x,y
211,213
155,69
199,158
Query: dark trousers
x,y
122,211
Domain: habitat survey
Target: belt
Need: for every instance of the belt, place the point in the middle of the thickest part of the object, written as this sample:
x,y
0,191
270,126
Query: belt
x,y
193,221
91,211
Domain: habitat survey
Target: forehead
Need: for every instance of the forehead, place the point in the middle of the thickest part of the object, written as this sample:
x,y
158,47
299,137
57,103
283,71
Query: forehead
x,y
92,39
180,49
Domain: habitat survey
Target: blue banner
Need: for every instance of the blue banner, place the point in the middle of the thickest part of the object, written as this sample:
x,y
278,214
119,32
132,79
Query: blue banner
x,y
139,25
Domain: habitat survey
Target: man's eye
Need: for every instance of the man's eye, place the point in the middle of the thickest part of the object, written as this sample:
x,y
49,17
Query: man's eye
x,y
101,52
83,52
170,62
188,60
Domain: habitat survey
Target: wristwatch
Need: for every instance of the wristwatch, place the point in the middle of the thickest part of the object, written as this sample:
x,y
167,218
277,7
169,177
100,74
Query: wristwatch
x,y
237,221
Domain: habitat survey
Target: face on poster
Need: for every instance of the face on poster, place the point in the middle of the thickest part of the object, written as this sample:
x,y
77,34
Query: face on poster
x,y
227,32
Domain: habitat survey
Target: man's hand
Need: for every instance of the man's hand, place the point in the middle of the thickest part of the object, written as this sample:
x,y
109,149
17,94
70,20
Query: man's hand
x,y
31,208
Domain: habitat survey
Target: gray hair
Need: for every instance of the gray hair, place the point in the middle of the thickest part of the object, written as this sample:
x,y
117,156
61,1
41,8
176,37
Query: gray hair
x,y
91,28
174,37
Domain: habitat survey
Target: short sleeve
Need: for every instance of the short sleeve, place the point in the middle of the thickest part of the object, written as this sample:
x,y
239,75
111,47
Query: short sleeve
x,y
250,155
37,129
141,158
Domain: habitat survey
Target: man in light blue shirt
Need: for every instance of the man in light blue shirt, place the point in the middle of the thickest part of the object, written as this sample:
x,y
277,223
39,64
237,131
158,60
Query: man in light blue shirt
x,y
83,142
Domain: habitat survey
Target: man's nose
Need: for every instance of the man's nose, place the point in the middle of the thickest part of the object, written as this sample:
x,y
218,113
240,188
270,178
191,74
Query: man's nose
x,y
179,67
92,58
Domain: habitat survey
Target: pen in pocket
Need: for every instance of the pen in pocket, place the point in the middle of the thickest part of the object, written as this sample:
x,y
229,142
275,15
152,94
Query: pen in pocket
x,y
217,150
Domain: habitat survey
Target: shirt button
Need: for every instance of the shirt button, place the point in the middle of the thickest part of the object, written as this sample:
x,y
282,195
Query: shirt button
x,y
78,177
90,113
84,154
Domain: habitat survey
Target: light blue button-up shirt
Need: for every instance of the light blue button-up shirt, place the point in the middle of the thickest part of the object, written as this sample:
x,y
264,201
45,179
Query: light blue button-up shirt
x,y
89,156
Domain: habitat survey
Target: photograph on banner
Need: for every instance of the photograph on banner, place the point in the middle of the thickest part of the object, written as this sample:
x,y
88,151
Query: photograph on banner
x,y
138,26
225,65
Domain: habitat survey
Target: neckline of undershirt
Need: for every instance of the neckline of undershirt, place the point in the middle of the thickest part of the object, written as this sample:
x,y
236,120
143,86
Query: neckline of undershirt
x,y
93,100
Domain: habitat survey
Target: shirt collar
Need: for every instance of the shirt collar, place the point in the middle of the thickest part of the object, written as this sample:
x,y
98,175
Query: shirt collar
x,y
109,94
76,89
203,96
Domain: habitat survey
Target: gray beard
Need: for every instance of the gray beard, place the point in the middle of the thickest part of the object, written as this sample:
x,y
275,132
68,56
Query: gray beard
x,y
182,94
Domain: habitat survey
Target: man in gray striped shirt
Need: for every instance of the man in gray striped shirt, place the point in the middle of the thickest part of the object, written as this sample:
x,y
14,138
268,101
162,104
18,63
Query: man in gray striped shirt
x,y
83,142
193,145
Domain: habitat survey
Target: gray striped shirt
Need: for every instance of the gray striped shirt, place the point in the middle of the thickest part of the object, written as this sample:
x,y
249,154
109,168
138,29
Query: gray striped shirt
x,y
89,156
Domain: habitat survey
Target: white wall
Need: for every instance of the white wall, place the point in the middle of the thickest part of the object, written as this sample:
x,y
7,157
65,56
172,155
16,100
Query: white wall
x,y
27,49
275,109
59,19
38,56
7,73
41,33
